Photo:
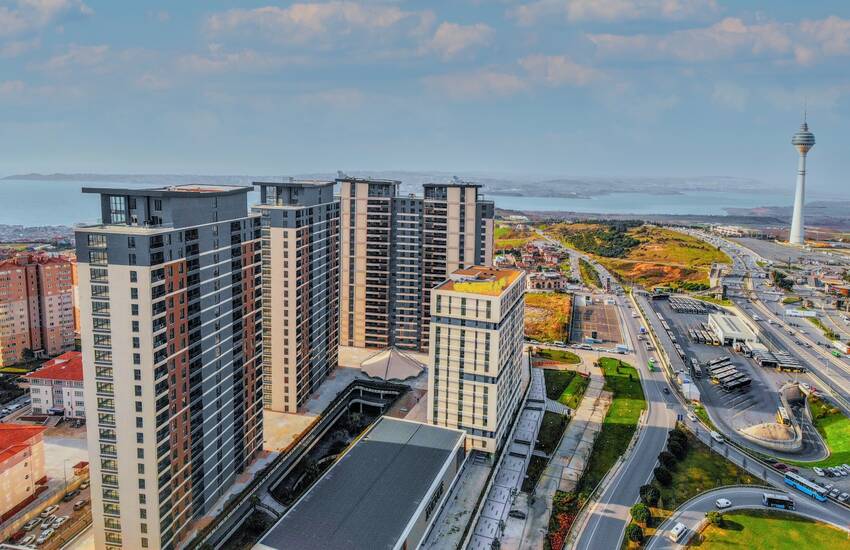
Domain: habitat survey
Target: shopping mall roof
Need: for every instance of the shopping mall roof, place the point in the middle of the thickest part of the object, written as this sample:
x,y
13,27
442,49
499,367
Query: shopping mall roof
x,y
368,497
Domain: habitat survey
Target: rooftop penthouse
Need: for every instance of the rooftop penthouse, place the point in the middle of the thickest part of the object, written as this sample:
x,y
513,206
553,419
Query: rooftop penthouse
x,y
485,281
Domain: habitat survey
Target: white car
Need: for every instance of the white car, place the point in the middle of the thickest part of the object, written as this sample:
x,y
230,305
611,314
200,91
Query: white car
x,y
59,521
818,471
722,503
42,538
49,510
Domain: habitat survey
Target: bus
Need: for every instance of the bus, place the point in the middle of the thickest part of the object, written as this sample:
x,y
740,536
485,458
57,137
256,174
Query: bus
x,y
718,361
777,500
805,486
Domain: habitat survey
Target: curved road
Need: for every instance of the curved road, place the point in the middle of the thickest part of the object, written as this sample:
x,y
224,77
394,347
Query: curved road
x,y
693,512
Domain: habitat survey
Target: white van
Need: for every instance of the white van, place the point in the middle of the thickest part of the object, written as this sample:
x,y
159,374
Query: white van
x,y
717,437
677,532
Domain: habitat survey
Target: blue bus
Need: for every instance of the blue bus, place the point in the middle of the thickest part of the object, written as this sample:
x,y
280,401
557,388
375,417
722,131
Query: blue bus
x,y
777,500
805,486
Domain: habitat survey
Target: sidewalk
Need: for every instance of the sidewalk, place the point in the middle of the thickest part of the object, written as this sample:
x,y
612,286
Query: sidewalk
x,y
567,464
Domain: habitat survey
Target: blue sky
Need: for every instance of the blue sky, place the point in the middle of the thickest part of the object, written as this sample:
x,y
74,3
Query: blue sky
x,y
549,87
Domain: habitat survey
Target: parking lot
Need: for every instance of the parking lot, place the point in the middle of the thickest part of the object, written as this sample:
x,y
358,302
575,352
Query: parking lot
x,y
738,409
593,318
75,522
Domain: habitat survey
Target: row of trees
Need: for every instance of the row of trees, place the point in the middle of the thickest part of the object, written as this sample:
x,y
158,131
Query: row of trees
x,y
677,449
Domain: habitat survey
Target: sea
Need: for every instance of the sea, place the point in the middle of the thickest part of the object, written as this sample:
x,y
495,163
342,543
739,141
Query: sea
x,y
33,203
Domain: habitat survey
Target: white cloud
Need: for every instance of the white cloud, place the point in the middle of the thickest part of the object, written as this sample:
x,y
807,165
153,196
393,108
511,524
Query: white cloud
x,y
558,70
730,95
11,88
611,10
17,47
218,61
320,25
476,84
733,38
77,56
727,38
450,39
152,82
832,35
21,16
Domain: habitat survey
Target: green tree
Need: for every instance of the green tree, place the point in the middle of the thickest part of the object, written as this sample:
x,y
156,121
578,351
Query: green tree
x,y
667,459
677,449
663,475
641,513
650,494
634,533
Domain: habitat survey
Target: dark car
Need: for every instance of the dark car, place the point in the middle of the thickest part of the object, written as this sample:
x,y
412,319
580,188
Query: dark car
x,y
780,466
518,514
666,390
69,496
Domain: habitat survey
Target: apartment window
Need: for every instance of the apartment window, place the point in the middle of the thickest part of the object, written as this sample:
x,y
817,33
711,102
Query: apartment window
x,y
97,241
137,358
134,293
140,453
117,209
135,326
100,323
134,309
157,205
134,276
131,259
131,242
97,257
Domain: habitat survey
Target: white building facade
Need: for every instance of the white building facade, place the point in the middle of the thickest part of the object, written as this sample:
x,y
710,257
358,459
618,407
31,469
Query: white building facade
x,y
477,375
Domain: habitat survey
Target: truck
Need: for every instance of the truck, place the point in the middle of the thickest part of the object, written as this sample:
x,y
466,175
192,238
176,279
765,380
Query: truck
x,y
842,347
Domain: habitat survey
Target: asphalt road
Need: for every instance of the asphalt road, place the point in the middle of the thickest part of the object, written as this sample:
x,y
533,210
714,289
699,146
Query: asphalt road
x,y
692,513
609,513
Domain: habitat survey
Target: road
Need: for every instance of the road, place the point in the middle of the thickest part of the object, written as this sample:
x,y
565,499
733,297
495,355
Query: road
x,y
608,514
692,513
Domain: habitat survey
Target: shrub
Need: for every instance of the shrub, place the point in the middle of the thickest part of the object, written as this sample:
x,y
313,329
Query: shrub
x,y
663,476
641,514
679,435
650,494
667,460
715,518
634,532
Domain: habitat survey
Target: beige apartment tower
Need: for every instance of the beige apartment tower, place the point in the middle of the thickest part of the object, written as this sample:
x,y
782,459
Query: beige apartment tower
x,y
394,248
478,373
300,244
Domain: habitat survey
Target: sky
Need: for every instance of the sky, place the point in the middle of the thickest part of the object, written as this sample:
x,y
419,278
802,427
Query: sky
x,y
524,87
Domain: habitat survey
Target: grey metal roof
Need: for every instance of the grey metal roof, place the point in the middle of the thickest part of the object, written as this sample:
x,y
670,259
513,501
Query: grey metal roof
x,y
370,495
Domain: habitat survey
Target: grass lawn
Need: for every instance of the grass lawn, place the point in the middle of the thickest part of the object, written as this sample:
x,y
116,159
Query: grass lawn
x,y
557,381
574,392
791,300
620,423
700,471
834,427
551,429
773,530
547,316
559,355
718,301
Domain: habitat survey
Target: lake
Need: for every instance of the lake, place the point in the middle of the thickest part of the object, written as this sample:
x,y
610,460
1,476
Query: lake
x,y
61,203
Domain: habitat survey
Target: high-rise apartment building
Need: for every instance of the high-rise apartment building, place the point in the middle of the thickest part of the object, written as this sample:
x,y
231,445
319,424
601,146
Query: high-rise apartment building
x,y
477,374
300,245
36,307
170,304
395,248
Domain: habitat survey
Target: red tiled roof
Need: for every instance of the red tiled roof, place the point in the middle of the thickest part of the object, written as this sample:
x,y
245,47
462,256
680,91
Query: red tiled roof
x,y
29,258
14,438
68,366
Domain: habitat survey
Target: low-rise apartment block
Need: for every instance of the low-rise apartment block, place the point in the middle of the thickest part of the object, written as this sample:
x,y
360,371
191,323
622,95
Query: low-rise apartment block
x,y
21,466
57,387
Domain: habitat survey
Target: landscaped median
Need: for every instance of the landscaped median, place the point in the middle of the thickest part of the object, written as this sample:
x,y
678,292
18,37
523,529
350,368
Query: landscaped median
x,y
834,428
620,423
687,467
774,530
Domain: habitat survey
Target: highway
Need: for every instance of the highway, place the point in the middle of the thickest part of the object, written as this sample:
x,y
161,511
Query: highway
x,y
608,514
692,513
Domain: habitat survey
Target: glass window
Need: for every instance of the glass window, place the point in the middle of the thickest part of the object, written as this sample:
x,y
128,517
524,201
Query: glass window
x,y
117,209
